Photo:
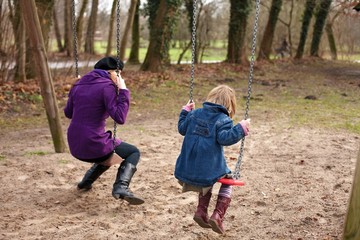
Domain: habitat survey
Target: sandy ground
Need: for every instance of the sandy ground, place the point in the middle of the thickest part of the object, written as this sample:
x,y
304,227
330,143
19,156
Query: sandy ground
x,y
298,180
298,183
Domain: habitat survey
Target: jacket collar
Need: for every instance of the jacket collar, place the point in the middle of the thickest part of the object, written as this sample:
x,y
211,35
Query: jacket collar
x,y
95,76
215,107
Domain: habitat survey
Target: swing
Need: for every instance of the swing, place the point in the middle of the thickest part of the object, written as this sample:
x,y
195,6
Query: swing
x,y
234,178
114,158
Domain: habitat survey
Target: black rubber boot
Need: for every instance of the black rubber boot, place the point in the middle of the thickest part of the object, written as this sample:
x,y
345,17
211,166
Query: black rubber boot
x,y
91,175
122,182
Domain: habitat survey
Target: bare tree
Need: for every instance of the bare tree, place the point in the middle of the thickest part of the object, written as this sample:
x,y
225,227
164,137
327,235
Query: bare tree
x,y
68,43
321,15
128,26
28,9
80,22
308,13
91,29
162,19
267,40
111,28
135,37
239,12
57,32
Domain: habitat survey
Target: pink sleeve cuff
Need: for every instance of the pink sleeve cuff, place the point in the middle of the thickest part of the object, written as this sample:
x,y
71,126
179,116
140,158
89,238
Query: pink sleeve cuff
x,y
187,108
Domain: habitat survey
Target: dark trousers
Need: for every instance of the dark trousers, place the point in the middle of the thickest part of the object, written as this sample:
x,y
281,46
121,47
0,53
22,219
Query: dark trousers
x,y
126,151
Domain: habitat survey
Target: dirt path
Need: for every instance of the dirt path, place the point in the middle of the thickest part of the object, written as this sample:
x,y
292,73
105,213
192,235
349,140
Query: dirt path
x,y
297,187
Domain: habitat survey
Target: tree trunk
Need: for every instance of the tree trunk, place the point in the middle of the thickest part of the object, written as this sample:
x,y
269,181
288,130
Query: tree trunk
x,y
352,221
68,43
239,12
128,26
90,33
321,16
162,20
57,32
331,38
135,37
266,43
80,22
308,13
20,42
28,9
45,13
111,29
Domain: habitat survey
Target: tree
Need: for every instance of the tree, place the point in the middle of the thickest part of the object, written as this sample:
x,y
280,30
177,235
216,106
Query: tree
x,y
111,28
68,43
308,13
239,12
28,9
266,43
128,26
20,41
90,33
352,221
80,22
162,21
135,37
57,32
321,15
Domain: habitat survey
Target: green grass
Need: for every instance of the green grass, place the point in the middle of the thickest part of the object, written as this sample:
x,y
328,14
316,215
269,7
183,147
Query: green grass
x,y
37,153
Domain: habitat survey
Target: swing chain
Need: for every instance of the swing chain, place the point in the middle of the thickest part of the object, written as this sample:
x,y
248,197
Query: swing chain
x,y
193,48
117,60
75,42
236,174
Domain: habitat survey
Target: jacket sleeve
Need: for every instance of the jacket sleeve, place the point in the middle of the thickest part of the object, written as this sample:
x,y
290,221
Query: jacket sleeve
x,y
117,105
68,110
183,123
227,134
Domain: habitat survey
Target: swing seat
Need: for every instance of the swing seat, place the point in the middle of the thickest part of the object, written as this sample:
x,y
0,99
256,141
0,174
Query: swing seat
x,y
231,181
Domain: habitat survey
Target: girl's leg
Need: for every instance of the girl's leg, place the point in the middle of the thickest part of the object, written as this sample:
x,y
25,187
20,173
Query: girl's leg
x,y
223,202
201,216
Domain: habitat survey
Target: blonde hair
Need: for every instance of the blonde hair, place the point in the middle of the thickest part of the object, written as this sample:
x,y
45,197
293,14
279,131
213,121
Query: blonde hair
x,y
225,96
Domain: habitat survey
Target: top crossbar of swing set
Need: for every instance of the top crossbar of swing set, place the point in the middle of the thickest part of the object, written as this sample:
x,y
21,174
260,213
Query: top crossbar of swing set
x,y
234,178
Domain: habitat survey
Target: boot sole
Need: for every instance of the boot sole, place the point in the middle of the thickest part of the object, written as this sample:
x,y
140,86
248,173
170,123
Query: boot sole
x,y
215,227
130,200
201,222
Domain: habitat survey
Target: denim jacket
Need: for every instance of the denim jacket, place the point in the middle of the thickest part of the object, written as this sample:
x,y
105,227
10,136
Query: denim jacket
x,y
206,130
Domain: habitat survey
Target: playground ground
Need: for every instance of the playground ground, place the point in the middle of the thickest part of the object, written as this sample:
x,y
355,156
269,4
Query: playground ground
x,y
298,175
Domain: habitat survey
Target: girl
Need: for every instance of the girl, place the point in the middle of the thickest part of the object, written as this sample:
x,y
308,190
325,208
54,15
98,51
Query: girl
x,y
96,96
201,161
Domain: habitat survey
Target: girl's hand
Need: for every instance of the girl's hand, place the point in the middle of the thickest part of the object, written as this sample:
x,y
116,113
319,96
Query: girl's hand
x,y
245,124
189,106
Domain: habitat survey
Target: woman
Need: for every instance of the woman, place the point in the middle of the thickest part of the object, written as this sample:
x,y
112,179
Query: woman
x,y
99,94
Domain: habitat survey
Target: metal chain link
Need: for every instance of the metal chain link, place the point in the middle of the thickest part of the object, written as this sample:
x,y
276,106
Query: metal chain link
x,y
236,173
76,55
117,60
193,48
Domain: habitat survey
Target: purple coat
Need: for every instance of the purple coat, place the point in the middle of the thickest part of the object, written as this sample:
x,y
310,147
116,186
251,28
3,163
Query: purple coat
x,y
91,101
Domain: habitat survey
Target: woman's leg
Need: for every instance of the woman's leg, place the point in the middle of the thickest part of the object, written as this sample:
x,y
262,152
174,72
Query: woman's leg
x,y
128,152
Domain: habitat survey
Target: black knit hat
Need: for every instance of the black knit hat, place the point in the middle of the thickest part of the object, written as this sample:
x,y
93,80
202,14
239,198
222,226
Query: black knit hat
x,y
108,63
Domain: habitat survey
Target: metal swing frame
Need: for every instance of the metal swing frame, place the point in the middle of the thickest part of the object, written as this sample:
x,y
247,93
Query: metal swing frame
x,y
234,178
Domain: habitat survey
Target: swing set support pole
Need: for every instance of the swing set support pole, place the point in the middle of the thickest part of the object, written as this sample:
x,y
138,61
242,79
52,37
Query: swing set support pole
x,y
352,221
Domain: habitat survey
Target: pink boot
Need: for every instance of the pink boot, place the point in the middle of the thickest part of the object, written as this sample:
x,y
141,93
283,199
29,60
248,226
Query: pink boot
x,y
217,217
201,214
